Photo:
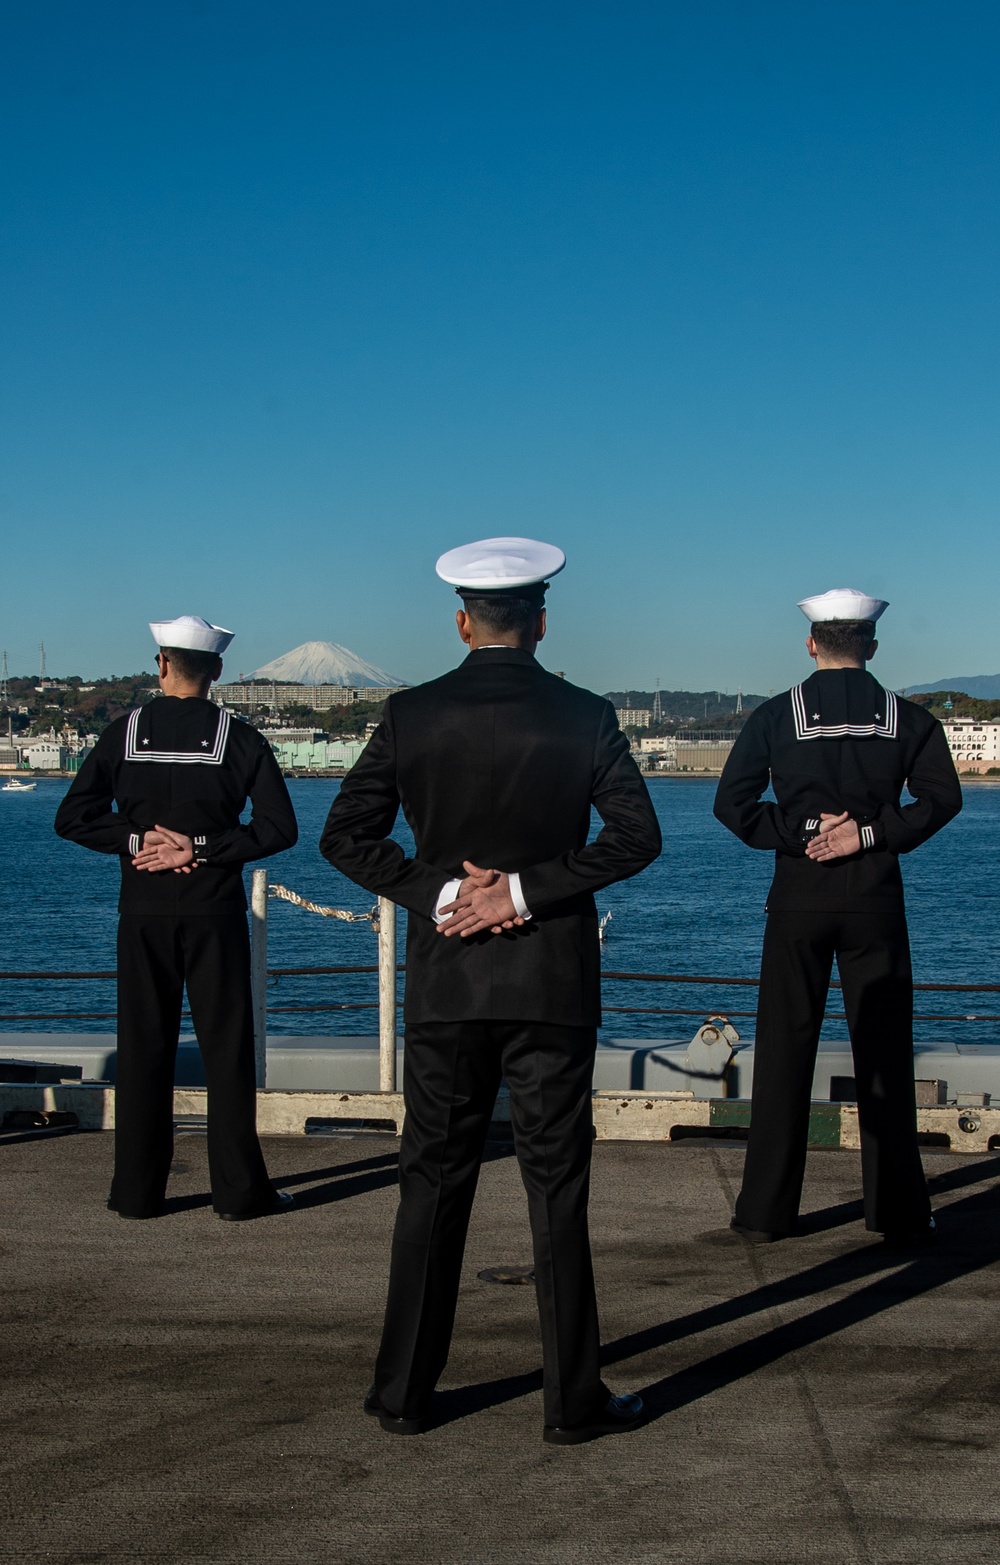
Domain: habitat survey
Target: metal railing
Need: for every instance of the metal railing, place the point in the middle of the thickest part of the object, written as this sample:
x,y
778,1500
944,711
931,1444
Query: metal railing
x,y
387,968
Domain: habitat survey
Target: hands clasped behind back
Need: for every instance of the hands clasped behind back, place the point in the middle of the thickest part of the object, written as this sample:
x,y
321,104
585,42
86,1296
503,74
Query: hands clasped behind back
x,y
484,902
164,849
838,837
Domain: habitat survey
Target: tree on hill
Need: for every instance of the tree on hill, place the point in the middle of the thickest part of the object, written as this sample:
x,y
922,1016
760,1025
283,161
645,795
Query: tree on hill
x,y
353,719
961,705
88,709
712,709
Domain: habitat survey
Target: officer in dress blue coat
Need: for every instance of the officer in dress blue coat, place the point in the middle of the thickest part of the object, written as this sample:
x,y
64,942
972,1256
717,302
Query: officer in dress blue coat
x,y
496,767
837,750
163,790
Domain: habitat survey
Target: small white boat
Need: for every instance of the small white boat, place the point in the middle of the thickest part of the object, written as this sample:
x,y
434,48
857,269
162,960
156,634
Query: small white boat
x,y
14,785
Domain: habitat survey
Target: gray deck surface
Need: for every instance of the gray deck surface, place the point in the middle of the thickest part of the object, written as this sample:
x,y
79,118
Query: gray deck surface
x,y
190,1390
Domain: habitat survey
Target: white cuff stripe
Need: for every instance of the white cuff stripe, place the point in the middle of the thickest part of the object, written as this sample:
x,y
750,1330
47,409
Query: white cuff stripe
x,y
517,896
811,825
134,844
867,836
448,893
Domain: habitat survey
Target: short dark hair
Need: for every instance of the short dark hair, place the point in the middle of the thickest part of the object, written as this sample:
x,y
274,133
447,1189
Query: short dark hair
x,y
501,614
845,637
192,665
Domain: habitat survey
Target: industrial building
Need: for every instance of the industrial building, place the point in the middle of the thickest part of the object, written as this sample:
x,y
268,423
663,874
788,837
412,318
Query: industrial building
x,y
317,755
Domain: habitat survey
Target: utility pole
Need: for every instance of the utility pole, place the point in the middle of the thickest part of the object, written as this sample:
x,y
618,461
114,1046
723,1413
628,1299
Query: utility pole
x,y
4,683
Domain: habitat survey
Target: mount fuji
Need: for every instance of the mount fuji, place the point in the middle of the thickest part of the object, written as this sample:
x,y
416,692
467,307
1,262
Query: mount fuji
x,y
323,663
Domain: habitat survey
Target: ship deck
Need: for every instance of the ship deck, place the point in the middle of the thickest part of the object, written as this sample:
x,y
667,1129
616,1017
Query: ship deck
x,y
190,1390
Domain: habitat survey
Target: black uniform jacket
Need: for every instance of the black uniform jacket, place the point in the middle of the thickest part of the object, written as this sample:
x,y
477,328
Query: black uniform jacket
x,y
838,742
188,765
498,762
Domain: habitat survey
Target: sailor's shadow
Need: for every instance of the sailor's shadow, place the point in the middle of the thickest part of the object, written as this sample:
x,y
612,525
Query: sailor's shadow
x,y
852,1211
898,1282
354,1179
957,1257
343,1181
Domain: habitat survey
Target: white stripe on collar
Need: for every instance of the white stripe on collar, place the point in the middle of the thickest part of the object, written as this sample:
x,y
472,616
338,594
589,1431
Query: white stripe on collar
x,y
212,756
883,727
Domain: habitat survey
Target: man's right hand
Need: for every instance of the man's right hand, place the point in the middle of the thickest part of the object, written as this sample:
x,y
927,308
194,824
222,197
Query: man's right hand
x,y
838,838
165,849
483,902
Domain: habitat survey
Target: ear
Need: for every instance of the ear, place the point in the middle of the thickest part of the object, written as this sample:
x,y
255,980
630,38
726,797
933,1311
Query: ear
x,y
871,652
217,673
540,626
811,647
464,626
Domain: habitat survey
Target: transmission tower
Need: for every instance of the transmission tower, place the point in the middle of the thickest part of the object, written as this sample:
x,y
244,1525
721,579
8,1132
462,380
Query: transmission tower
x,y
739,702
657,705
41,661
4,682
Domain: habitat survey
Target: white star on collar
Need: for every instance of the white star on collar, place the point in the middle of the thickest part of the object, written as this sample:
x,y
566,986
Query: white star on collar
x,y
815,717
204,744
878,717
145,741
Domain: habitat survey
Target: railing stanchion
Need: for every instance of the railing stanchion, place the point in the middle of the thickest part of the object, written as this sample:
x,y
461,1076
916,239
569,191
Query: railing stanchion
x,y
258,971
386,995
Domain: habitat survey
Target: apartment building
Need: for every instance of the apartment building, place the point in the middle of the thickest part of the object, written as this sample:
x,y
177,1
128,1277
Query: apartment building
x,y
975,746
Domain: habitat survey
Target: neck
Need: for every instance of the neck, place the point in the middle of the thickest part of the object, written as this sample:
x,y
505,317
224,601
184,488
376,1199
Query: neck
x,y
519,643
833,662
183,690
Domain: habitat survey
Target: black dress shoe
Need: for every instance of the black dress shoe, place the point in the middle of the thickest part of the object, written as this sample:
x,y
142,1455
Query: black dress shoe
x,y
389,1422
136,1216
909,1238
282,1201
756,1235
618,1413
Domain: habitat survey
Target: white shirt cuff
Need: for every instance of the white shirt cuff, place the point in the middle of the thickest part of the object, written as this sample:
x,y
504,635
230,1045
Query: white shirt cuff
x,y
517,896
449,891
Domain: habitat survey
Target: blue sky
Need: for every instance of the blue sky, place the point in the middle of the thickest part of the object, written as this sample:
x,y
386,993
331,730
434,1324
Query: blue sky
x,y
297,296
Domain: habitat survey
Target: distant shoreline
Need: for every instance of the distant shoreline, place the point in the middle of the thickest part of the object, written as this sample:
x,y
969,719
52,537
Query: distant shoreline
x,y
967,779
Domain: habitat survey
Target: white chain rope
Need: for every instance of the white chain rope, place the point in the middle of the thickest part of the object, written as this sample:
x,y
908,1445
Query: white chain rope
x,y
345,916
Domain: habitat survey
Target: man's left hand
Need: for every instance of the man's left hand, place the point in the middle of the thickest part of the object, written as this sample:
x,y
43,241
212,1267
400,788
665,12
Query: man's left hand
x,y
164,849
838,838
483,902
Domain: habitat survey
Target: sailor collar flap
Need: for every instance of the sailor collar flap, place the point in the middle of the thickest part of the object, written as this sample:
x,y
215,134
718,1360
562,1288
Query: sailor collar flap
x,y
208,749
852,708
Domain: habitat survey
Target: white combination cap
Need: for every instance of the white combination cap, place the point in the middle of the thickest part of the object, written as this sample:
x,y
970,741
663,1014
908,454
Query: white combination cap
x,y
500,564
842,603
192,632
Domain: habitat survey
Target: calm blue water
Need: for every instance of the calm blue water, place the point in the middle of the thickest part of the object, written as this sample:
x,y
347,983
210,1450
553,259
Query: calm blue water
x,y
698,910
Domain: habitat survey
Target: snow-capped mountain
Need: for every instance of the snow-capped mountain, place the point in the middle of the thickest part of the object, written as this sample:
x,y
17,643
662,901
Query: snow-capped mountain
x,y
323,663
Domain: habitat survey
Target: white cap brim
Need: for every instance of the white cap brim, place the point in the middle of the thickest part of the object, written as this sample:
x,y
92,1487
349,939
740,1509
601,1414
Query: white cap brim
x,y
500,564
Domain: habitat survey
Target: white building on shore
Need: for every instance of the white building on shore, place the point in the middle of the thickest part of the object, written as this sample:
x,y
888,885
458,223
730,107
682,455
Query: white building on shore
x,y
975,746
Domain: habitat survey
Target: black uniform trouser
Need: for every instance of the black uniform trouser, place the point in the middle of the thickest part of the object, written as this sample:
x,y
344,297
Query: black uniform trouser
x,y
452,1073
157,956
873,958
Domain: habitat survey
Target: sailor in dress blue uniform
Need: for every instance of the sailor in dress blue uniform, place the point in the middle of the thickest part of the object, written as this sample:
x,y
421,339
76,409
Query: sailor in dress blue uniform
x,y
164,789
837,751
